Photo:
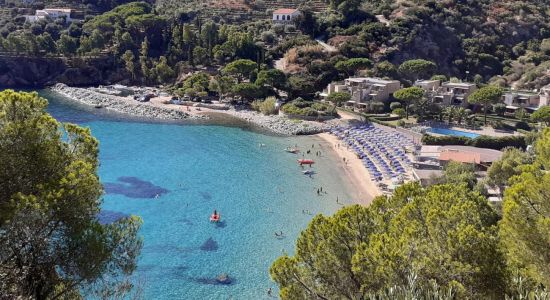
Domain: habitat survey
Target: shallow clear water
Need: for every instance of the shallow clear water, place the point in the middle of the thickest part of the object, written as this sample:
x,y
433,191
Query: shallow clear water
x,y
195,169
445,131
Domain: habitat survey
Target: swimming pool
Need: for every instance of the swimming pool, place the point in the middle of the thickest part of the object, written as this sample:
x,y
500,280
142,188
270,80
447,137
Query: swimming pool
x,y
445,131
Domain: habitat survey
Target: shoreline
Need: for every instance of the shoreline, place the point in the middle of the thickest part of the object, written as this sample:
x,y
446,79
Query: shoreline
x,y
362,187
355,177
156,109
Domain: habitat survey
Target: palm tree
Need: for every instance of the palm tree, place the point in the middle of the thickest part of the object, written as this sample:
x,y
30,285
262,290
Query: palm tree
x,y
460,114
449,111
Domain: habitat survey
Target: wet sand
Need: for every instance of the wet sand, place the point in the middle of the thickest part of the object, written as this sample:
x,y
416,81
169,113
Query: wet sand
x,y
363,188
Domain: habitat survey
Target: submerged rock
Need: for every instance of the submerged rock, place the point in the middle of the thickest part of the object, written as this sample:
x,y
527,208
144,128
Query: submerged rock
x,y
209,245
133,187
223,279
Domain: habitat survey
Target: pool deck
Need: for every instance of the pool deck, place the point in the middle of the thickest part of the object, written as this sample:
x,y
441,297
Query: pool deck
x,y
489,131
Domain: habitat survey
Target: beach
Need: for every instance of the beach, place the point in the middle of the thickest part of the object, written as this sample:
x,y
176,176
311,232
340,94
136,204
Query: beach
x,y
158,109
353,173
363,188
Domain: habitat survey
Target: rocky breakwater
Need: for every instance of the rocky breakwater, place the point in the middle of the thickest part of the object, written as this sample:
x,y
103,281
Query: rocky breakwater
x,y
280,124
120,104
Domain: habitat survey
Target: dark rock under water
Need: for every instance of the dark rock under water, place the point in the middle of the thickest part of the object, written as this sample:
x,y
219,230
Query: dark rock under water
x,y
133,187
222,279
209,245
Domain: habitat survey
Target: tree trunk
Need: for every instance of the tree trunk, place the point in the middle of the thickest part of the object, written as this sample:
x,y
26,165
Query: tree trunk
x,y
485,115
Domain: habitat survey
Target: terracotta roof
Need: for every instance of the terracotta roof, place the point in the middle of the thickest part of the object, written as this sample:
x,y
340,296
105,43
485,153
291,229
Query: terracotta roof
x,y
463,157
287,11
484,155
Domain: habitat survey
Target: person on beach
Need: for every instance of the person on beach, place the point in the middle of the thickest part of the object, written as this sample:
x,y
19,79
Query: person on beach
x,y
317,192
337,200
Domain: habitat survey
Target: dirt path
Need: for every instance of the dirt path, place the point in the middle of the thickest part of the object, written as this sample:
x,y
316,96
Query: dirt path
x,y
327,47
280,64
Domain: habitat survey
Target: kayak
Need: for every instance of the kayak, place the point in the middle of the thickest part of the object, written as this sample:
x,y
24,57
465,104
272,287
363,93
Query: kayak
x,y
306,161
292,150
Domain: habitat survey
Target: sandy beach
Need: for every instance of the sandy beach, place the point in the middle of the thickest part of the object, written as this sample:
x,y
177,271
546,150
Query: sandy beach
x,y
364,190
354,174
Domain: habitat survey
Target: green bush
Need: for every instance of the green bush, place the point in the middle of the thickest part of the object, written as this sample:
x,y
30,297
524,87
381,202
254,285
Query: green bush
x,y
389,118
522,125
266,107
302,107
482,141
399,112
429,139
395,105
498,143
373,120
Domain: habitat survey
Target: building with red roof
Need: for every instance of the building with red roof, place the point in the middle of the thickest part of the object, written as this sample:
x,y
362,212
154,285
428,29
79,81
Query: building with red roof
x,y
285,15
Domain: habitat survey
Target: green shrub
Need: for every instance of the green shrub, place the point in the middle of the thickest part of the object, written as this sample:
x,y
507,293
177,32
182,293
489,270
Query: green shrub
x,y
399,112
255,105
482,141
444,140
498,143
266,107
376,107
522,125
388,118
395,105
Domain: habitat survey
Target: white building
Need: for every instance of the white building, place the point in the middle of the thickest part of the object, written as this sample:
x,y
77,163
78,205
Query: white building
x,y
521,99
454,93
544,96
285,15
428,85
50,13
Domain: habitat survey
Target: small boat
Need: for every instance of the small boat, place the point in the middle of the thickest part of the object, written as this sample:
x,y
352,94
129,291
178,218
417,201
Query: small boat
x,y
304,161
292,150
308,172
215,217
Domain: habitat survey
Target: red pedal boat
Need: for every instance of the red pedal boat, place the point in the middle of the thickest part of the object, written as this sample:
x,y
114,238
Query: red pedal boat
x,y
304,161
215,217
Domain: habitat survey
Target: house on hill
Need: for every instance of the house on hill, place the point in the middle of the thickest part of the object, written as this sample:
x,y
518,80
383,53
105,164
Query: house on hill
x,y
50,13
285,15
364,90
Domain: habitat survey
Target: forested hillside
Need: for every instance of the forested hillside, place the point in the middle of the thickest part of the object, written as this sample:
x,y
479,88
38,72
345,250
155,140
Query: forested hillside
x,y
507,42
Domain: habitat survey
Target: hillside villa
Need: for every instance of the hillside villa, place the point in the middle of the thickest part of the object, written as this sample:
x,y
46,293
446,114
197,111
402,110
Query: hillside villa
x,y
285,15
544,95
50,13
364,90
448,93
528,100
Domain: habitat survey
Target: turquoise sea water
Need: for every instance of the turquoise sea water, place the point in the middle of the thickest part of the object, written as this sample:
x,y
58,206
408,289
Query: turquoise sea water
x,y
194,169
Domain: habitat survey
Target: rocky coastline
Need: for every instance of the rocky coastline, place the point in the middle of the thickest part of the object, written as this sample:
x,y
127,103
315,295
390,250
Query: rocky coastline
x,y
280,124
119,104
276,123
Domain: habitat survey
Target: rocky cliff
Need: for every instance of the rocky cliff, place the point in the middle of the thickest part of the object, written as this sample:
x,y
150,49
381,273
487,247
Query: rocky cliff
x,y
18,71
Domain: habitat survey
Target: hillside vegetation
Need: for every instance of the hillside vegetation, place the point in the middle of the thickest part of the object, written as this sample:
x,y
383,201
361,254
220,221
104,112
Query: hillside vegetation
x,y
506,42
